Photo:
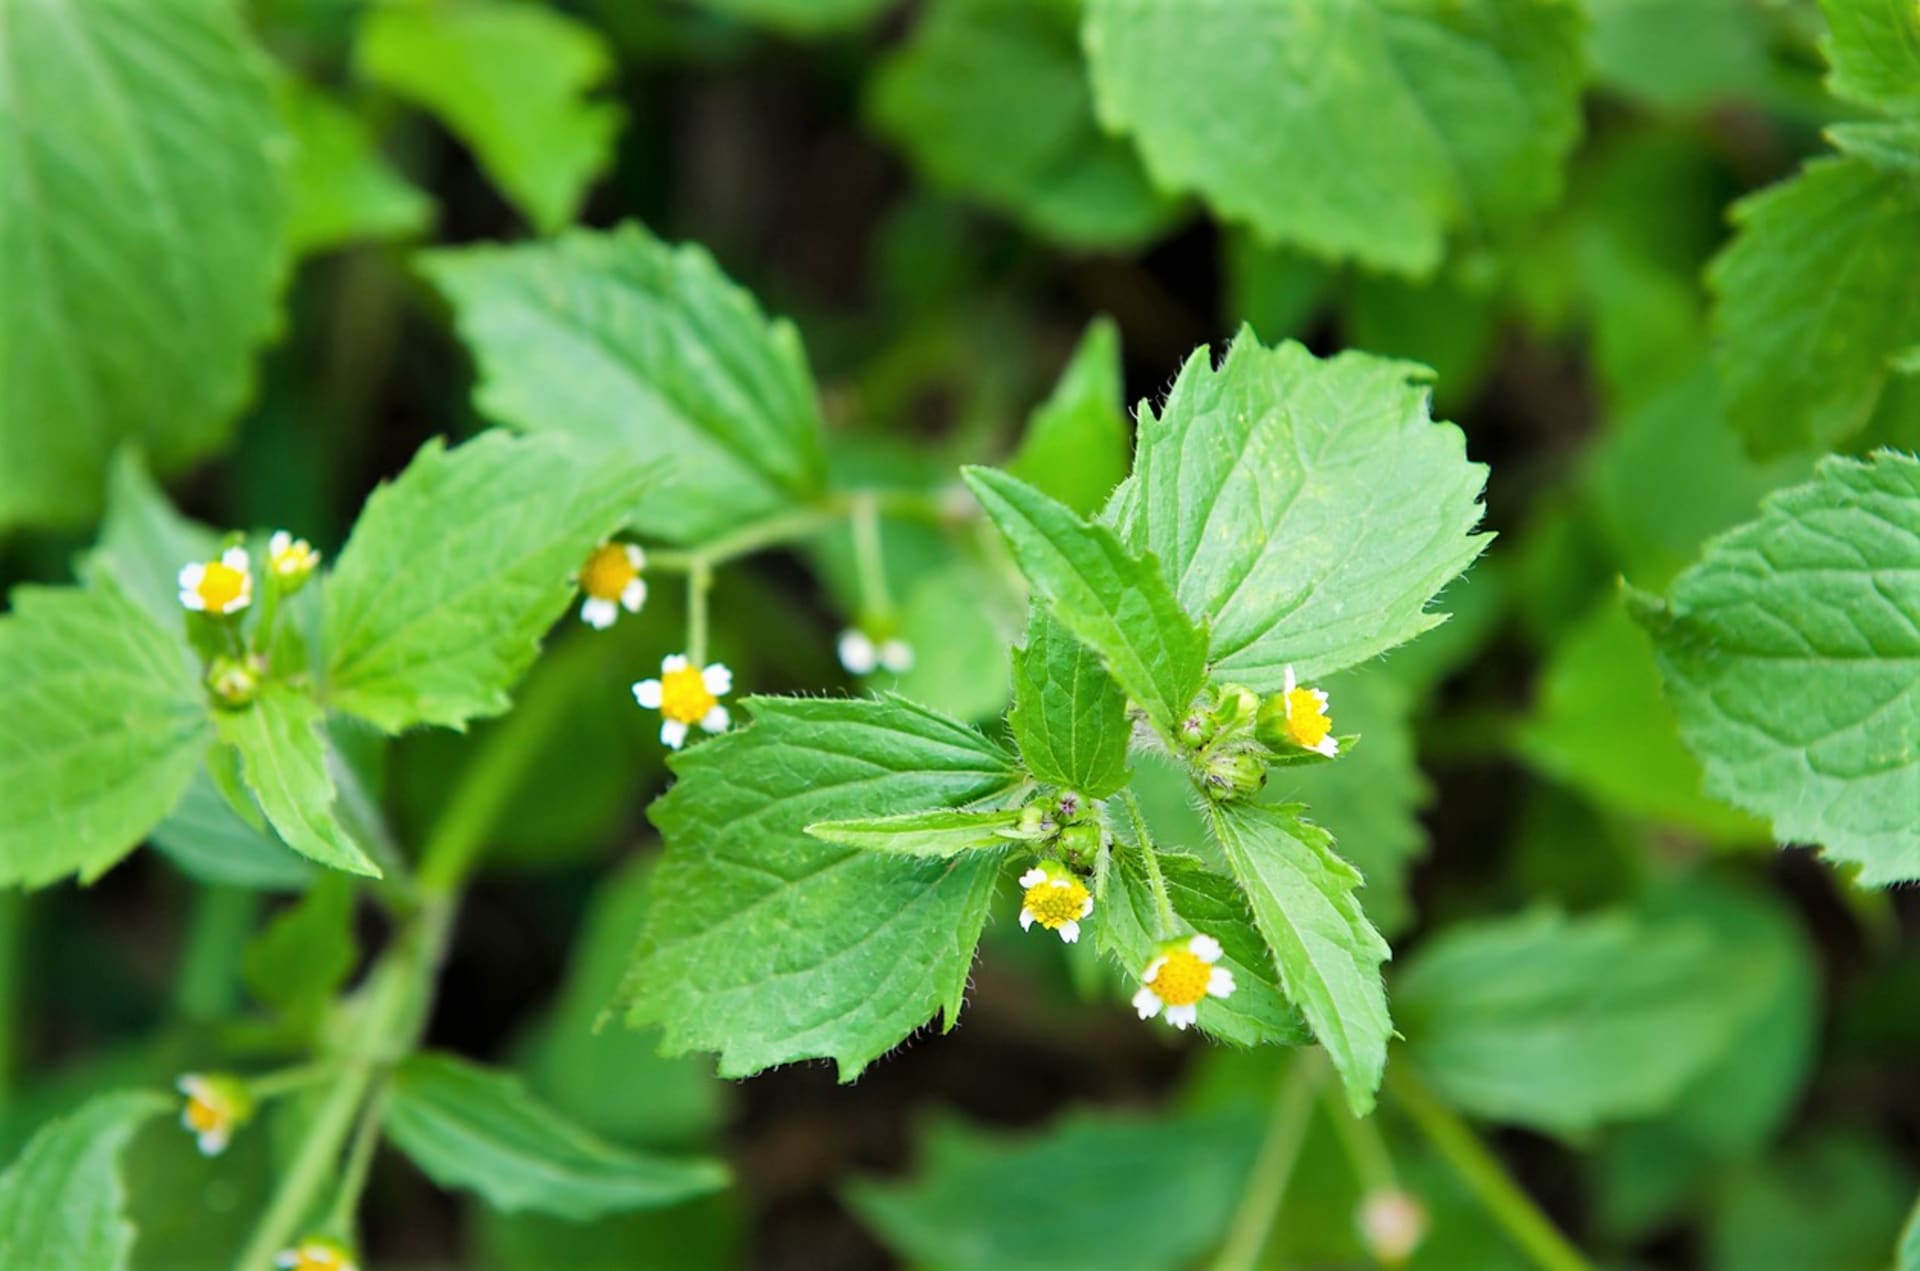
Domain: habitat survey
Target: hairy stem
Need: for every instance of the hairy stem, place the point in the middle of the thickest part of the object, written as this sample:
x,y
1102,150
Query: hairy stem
x,y
869,560
1162,903
699,585
1366,1149
1482,1172
1273,1169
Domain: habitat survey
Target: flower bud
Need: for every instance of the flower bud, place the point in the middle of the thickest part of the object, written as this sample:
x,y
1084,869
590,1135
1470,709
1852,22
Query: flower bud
x,y
1234,775
1392,1223
233,681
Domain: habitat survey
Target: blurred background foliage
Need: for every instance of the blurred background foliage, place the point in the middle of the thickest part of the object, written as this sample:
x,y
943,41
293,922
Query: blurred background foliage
x,y
1694,1049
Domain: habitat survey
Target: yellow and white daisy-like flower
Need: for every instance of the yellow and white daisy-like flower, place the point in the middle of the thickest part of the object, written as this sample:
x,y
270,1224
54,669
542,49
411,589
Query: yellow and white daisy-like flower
x,y
1056,899
220,586
1178,977
611,580
861,656
216,1106
686,695
1304,720
291,559
317,1253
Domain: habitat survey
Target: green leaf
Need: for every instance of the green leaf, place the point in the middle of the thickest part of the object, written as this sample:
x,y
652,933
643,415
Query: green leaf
x,y
1327,953
801,17
953,620
211,843
512,81
458,567
940,833
1103,1193
1818,295
1069,717
1118,603
341,189
1127,926
1907,1256
1077,445
1790,653
1891,147
1873,47
143,543
1834,1201
105,725
1310,508
307,952
473,1128
1643,478
1370,800
1358,128
614,1081
141,224
283,756
1680,54
768,946
990,98
62,1201
648,349
1600,726
1564,1024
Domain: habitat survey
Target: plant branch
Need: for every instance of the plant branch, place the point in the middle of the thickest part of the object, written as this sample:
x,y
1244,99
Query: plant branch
x,y
1273,1169
1482,1172
1163,904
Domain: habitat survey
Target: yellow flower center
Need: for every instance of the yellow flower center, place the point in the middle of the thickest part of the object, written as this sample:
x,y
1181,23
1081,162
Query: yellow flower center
x,y
205,1116
1056,901
607,572
684,696
1307,721
1182,979
220,585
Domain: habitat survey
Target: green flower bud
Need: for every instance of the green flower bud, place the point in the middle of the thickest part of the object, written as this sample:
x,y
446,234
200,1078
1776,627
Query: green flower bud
x,y
1234,775
1080,843
233,681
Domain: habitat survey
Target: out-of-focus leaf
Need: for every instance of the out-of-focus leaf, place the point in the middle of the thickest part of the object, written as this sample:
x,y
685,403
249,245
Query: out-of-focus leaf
x,y
340,188
307,951
1100,1193
62,1200
514,81
210,843
1679,54
1835,1203
1601,726
477,1129
141,240
802,17
1077,445
104,728
990,98
1369,130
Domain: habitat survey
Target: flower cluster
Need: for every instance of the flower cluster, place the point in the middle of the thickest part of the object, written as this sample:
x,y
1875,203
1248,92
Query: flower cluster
x,y
1179,977
1233,739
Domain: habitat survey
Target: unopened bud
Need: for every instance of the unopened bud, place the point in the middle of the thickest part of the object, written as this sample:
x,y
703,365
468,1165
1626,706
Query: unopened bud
x,y
1235,775
233,681
1392,1224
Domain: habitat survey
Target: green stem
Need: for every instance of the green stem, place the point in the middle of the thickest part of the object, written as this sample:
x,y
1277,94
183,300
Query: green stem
x,y
353,1177
13,934
1273,1168
1366,1148
217,930
699,584
1163,904
774,531
285,1081
1483,1173
492,776
385,1025
869,559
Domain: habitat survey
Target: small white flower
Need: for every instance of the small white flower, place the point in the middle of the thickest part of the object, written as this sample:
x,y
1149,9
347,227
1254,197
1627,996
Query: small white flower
x,y
686,695
1392,1222
216,1106
611,581
1179,977
861,656
291,559
1056,899
316,1253
857,653
222,586
896,655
